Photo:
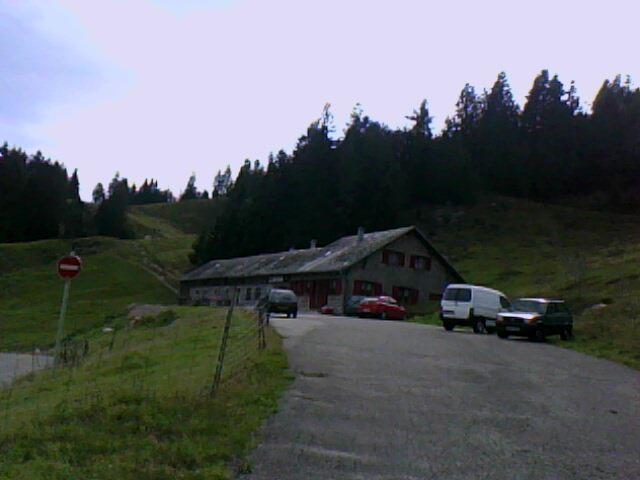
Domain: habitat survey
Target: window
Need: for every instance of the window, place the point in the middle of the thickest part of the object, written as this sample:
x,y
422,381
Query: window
x,y
390,257
361,287
258,293
457,294
504,303
335,287
418,262
247,294
405,295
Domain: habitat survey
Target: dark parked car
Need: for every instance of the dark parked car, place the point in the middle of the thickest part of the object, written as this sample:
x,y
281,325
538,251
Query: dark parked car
x,y
280,301
536,318
352,304
382,307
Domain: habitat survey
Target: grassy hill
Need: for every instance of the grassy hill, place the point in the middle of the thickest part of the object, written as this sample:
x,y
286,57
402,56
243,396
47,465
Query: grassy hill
x,y
137,405
523,248
186,217
529,249
116,273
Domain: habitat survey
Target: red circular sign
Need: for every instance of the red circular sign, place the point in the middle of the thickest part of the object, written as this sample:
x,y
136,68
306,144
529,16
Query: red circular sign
x,y
69,266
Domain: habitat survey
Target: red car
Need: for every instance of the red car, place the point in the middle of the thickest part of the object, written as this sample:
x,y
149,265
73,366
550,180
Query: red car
x,y
327,310
382,307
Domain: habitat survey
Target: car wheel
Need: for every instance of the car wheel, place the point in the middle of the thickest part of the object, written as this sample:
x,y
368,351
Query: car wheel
x,y
479,326
295,314
502,333
448,326
288,315
539,335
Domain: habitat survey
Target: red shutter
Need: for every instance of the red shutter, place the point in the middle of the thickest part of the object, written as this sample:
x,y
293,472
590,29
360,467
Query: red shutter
x,y
414,296
395,293
357,287
338,289
377,289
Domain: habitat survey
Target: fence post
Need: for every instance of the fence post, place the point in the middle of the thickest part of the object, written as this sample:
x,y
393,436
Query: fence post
x,y
223,345
262,339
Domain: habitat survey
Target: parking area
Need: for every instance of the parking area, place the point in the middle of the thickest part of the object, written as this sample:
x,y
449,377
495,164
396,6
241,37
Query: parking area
x,y
381,399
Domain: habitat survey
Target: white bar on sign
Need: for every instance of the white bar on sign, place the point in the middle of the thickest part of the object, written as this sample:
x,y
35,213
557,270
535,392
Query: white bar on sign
x,y
69,267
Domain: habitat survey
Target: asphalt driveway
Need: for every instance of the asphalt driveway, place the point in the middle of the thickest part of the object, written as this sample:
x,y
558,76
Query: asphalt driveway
x,y
394,400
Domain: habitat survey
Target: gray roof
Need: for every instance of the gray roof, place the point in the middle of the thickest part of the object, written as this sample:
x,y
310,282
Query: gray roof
x,y
335,257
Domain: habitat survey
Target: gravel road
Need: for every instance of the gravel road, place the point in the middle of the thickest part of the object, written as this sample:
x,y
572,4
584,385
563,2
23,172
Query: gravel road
x,y
394,400
13,365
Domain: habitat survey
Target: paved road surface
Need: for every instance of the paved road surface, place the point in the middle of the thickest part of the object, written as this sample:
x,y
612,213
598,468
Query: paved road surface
x,y
13,365
393,400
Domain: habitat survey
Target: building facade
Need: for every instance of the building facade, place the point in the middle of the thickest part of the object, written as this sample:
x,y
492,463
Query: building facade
x,y
400,263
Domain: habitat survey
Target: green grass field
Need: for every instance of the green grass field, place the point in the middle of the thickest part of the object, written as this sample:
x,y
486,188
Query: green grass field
x,y
113,277
116,273
188,217
530,249
142,409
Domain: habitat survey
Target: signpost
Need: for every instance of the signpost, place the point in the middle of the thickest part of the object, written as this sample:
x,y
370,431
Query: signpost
x,y
68,267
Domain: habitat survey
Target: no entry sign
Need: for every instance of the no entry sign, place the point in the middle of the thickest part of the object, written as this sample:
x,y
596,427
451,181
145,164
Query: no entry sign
x,y
69,266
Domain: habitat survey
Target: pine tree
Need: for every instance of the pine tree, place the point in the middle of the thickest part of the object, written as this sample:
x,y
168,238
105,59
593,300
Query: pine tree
x,y
98,194
190,192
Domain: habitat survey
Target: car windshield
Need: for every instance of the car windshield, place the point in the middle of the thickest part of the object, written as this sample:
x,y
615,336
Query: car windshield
x,y
457,294
388,299
282,296
529,306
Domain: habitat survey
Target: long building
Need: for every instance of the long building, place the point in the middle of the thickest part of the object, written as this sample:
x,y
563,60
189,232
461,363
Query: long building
x,y
401,263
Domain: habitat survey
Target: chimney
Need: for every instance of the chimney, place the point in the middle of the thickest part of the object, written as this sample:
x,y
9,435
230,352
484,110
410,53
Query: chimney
x,y
360,234
314,243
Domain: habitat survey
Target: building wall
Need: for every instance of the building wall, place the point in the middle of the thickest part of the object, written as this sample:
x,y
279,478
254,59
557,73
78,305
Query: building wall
x,y
429,283
221,294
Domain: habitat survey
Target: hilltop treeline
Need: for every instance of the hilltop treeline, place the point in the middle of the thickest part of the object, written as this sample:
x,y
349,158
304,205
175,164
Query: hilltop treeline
x,y
546,150
40,200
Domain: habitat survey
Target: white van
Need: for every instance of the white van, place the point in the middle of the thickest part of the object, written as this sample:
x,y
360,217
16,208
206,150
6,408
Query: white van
x,y
472,306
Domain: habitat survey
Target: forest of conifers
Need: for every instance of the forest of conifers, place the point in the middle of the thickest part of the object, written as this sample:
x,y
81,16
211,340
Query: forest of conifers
x,y
549,149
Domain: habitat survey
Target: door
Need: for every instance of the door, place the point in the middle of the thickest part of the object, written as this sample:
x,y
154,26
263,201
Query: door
x,y
319,294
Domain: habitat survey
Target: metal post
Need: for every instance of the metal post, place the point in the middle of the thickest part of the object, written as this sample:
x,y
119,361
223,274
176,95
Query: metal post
x,y
223,344
63,312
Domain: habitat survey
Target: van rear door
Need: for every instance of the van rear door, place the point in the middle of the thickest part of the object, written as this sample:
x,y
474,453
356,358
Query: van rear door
x,y
456,302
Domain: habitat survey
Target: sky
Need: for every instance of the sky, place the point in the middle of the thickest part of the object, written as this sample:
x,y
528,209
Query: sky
x,y
167,88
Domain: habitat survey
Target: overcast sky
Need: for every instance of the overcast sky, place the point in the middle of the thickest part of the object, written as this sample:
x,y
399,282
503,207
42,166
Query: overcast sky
x,y
165,88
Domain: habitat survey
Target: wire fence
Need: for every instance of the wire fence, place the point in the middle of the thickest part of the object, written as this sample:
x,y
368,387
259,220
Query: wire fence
x,y
196,353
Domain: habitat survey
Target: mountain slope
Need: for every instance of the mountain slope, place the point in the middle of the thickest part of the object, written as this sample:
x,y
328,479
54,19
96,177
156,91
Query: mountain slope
x,y
529,249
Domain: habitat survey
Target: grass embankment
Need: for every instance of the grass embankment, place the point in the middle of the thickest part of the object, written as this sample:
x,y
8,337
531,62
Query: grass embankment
x,y
187,217
530,249
141,410
116,273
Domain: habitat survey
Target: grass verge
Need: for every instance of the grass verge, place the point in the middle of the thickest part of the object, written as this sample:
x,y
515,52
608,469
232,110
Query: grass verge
x,y
138,407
